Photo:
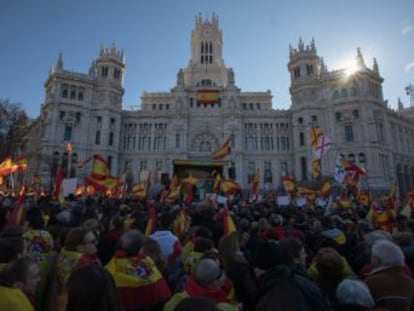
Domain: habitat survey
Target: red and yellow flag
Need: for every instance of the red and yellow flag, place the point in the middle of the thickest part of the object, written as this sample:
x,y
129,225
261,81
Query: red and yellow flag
x,y
100,177
256,182
217,183
19,165
16,214
326,188
139,271
229,186
6,166
316,167
288,183
207,96
228,222
181,222
152,221
222,151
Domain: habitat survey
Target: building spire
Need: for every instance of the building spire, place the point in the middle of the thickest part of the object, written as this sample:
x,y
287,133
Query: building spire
x,y
360,59
59,63
375,66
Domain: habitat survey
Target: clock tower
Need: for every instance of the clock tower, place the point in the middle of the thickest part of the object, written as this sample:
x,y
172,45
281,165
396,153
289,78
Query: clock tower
x,y
206,66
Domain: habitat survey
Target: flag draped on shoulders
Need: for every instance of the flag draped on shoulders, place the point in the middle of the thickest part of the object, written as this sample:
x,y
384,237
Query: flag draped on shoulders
x,y
222,151
139,282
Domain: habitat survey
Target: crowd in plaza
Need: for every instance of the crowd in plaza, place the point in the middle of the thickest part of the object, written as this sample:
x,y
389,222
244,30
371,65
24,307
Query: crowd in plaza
x,y
100,253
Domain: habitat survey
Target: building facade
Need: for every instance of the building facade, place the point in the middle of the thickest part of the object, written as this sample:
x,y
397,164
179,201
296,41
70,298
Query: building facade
x,y
205,108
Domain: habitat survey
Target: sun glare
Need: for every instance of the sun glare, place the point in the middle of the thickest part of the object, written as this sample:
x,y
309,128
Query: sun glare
x,y
350,66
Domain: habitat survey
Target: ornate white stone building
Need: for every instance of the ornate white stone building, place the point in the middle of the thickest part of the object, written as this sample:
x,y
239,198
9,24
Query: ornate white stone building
x,y
176,131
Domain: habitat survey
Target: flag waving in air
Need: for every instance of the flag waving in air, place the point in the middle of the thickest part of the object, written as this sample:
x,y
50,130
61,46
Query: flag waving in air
x,y
100,177
222,151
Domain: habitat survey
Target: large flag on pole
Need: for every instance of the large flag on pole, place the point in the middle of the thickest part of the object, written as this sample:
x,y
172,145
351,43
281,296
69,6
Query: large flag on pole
x,y
228,222
222,151
6,166
100,177
19,165
255,185
58,194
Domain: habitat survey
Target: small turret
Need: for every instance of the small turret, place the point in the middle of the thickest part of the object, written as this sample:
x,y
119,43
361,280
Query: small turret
x,y
375,67
324,68
400,105
110,65
304,63
59,63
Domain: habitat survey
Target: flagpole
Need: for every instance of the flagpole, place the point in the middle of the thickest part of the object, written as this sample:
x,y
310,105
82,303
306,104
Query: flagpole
x,y
69,150
12,181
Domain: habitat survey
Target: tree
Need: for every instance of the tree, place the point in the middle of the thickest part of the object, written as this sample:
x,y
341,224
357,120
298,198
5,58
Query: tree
x,y
14,124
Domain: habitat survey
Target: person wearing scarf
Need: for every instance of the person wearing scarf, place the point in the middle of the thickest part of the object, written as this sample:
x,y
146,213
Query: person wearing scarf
x,y
209,281
79,250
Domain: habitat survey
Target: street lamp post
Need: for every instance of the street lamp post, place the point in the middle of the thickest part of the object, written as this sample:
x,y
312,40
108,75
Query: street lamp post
x,y
69,149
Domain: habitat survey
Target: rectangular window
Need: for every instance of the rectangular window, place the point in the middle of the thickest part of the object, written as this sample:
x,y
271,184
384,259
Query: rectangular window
x,y
303,168
268,172
98,137
177,141
251,169
301,139
68,133
284,168
111,138
349,133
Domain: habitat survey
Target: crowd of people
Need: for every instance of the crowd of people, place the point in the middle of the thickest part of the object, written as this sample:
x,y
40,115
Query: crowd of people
x,y
100,253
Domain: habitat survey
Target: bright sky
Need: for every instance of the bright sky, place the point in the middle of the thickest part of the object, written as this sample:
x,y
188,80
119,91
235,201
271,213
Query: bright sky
x,y
155,35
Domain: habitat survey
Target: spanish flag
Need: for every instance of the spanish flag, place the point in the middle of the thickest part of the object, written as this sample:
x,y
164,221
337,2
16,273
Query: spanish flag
x,y
207,96
138,281
222,151
288,183
152,221
174,190
255,186
58,193
100,177
228,222
326,188
181,222
6,166
16,215
217,183
19,165
229,186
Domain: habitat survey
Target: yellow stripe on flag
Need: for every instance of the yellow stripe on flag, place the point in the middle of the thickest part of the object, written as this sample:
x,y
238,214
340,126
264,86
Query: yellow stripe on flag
x,y
207,96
